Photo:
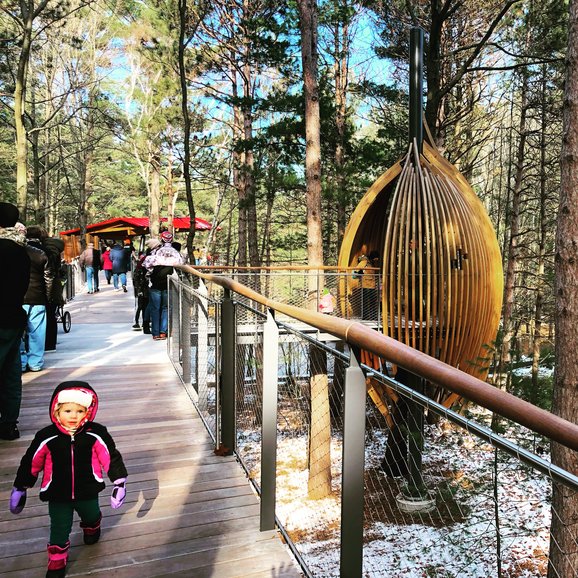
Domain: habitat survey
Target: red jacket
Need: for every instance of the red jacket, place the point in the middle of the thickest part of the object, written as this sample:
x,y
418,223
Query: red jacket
x,y
105,260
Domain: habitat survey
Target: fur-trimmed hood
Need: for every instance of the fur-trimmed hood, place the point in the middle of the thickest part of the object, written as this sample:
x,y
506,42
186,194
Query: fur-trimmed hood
x,y
75,386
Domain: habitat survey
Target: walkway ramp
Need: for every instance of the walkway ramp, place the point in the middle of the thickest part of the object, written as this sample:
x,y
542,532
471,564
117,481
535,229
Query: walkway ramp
x,y
187,513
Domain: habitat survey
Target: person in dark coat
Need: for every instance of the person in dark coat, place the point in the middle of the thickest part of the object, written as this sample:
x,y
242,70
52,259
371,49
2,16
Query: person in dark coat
x,y
35,301
13,286
120,265
73,453
53,248
159,265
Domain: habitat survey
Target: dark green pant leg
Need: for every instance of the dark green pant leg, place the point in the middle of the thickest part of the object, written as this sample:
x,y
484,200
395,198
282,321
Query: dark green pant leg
x,y
61,517
88,510
61,514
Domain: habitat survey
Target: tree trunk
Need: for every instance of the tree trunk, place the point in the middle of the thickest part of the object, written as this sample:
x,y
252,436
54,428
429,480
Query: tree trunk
x,y
541,252
341,84
563,559
155,198
19,112
320,428
514,220
248,165
239,177
183,18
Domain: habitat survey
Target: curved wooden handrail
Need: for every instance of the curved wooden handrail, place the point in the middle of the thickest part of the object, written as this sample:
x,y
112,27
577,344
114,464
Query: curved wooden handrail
x,y
451,378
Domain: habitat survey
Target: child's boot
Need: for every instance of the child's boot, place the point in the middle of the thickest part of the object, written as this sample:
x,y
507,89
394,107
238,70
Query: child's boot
x,y
57,558
91,531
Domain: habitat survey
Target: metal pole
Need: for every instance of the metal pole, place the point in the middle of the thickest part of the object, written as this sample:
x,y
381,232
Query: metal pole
x,y
185,302
416,87
351,561
416,437
269,426
203,340
228,372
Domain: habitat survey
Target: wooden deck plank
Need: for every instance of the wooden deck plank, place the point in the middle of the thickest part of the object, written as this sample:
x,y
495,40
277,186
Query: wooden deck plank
x,y
188,512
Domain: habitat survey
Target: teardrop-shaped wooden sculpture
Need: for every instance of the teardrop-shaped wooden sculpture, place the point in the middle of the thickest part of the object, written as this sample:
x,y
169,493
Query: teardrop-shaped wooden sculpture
x,y
442,280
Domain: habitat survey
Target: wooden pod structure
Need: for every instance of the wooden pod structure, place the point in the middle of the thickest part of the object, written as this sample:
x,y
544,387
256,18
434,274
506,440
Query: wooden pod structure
x,y
441,268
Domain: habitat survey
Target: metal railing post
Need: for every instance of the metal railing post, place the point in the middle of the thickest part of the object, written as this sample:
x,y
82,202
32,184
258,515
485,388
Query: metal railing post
x,y
269,425
228,372
185,333
202,338
415,437
351,557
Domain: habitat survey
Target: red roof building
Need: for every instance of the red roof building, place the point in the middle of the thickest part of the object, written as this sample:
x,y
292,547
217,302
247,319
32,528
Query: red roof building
x,y
120,228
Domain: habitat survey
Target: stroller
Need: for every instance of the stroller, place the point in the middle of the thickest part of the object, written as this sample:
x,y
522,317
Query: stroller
x,y
63,317
60,314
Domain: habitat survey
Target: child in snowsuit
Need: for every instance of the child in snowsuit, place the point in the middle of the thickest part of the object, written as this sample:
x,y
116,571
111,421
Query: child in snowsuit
x,y
73,452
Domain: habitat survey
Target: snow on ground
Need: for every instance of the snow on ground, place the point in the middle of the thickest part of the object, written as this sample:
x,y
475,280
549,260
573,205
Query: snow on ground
x,y
457,539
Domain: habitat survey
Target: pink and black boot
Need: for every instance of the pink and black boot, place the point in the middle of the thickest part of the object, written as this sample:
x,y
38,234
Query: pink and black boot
x,y
91,531
57,558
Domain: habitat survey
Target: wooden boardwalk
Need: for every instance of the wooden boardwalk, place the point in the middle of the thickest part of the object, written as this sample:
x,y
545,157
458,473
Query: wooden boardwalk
x,y
187,513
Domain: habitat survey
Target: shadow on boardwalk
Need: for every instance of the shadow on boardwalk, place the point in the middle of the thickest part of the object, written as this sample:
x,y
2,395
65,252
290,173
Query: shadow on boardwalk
x,y
187,512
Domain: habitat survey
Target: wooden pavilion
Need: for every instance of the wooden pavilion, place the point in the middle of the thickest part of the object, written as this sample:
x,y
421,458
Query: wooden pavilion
x,y
119,229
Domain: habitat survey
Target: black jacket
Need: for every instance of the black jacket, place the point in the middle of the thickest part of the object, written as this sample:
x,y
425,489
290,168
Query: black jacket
x,y
13,284
41,276
120,259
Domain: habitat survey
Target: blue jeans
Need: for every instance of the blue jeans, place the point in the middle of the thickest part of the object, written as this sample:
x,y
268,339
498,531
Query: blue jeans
x,y
33,342
158,305
90,279
10,375
115,277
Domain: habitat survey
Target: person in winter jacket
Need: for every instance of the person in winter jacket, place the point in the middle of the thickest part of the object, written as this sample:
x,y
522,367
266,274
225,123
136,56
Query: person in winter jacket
x,y
159,265
53,247
13,286
120,258
35,301
90,266
72,453
141,290
106,264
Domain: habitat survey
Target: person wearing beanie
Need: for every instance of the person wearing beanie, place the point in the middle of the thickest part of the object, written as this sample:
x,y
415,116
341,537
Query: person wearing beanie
x,y
73,453
13,286
159,265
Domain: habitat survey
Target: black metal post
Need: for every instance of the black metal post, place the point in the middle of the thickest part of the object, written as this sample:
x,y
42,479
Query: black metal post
x,y
416,87
228,372
415,426
185,335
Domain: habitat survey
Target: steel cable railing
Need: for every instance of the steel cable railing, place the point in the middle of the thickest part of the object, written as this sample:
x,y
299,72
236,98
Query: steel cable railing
x,y
463,501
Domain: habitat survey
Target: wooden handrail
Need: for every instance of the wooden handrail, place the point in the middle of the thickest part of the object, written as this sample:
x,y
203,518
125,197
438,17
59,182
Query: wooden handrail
x,y
376,270
442,374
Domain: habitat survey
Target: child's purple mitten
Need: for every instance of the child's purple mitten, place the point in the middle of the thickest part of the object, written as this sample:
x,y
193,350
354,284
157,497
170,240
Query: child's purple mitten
x,y
118,493
17,500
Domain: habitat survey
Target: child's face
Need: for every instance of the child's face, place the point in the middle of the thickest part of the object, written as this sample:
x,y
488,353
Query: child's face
x,y
71,414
